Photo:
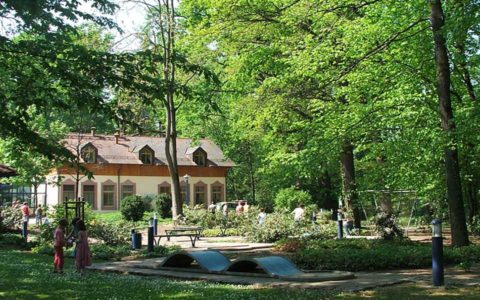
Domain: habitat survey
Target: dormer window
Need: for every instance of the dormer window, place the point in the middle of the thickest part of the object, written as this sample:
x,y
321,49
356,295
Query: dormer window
x,y
89,154
146,156
200,158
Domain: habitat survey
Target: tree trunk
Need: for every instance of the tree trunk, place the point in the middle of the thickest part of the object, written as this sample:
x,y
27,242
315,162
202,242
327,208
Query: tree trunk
x,y
252,175
454,189
349,185
171,110
325,183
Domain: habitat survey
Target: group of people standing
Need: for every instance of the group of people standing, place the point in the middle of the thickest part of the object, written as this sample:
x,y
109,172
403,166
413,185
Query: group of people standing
x,y
77,236
26,212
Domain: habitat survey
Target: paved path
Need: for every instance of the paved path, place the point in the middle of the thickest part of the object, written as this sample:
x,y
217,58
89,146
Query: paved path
x,y
227,243
362,280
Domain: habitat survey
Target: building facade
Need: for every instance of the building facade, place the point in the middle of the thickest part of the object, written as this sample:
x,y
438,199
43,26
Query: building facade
x,y
136,165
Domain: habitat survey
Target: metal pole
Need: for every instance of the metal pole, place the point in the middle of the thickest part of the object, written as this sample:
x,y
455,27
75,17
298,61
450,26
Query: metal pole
x,y
150,239
155,224
437,253
437,261
132,233
187,193
340,229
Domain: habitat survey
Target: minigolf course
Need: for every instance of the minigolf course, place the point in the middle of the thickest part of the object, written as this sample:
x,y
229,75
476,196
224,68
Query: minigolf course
x,y
209,261
212,265
214,262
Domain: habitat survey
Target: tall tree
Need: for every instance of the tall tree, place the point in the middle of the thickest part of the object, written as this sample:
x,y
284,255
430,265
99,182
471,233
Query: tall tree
x,y
452,169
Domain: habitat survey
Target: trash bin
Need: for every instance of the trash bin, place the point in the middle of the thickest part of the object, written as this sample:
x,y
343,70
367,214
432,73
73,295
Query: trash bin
x,y
136,240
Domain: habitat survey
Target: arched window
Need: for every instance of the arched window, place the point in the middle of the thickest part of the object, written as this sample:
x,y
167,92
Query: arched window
x,y
146,155
200,194
217,189
89,154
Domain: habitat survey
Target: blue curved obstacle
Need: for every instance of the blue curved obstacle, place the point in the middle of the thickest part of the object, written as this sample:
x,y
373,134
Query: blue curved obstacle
x,y
272,266
211,261
208,261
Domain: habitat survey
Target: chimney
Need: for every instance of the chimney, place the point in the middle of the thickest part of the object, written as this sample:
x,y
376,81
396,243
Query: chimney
x,y
117,135
93,131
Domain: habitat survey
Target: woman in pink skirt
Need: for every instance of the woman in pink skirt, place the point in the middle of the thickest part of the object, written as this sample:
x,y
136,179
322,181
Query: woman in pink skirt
x,y
82,250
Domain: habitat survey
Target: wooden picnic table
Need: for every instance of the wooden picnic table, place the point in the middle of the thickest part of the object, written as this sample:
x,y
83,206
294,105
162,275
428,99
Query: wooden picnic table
x,y
192,232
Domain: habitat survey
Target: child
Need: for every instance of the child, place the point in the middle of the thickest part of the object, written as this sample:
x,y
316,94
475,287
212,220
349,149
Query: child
x,y
82,250
262,216
59,243
39,215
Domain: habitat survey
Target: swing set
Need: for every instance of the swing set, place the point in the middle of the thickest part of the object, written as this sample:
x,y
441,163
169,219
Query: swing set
x,y
402,203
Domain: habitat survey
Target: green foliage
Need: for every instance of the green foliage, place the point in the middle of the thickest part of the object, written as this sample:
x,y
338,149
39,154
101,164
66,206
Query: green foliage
x,y
43,248
46,232
133,208
475,226
363,254
290,198
11,239
11,218
111,234
158,251
162,204
101,251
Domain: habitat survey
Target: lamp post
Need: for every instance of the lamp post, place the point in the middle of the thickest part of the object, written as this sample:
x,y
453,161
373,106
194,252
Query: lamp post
x,y
340,219
150,235
187,189
437,253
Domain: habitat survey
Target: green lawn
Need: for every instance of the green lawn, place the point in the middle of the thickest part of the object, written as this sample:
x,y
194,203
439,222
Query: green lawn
x,y
24,275
116,216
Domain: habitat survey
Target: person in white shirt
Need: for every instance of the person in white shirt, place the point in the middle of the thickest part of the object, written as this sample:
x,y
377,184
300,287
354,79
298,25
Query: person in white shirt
x,y
298,213
262,216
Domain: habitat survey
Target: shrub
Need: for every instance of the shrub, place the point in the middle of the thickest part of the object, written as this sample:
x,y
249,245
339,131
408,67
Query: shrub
x,y
277,226
57,212
133,208
162,204
475,225
46,232
201,217
11,218
11,239
110,234
355,255
101,251
43,248
290,198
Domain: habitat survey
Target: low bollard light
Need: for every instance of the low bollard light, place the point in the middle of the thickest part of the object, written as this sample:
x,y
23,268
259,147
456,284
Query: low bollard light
x,y
132,234
437,253
155,224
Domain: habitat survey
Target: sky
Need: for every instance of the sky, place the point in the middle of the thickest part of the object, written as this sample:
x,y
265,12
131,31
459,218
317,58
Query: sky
x,y
130,18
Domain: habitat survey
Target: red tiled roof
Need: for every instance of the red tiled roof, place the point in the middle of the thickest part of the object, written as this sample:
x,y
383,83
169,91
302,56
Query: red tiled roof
x,y
6,171
126,151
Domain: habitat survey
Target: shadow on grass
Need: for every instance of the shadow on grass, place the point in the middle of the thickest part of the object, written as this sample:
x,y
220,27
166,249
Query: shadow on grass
x,y
24,275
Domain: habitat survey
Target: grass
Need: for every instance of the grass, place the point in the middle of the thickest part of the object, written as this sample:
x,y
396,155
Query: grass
x,y
115,217
415,291
24,275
